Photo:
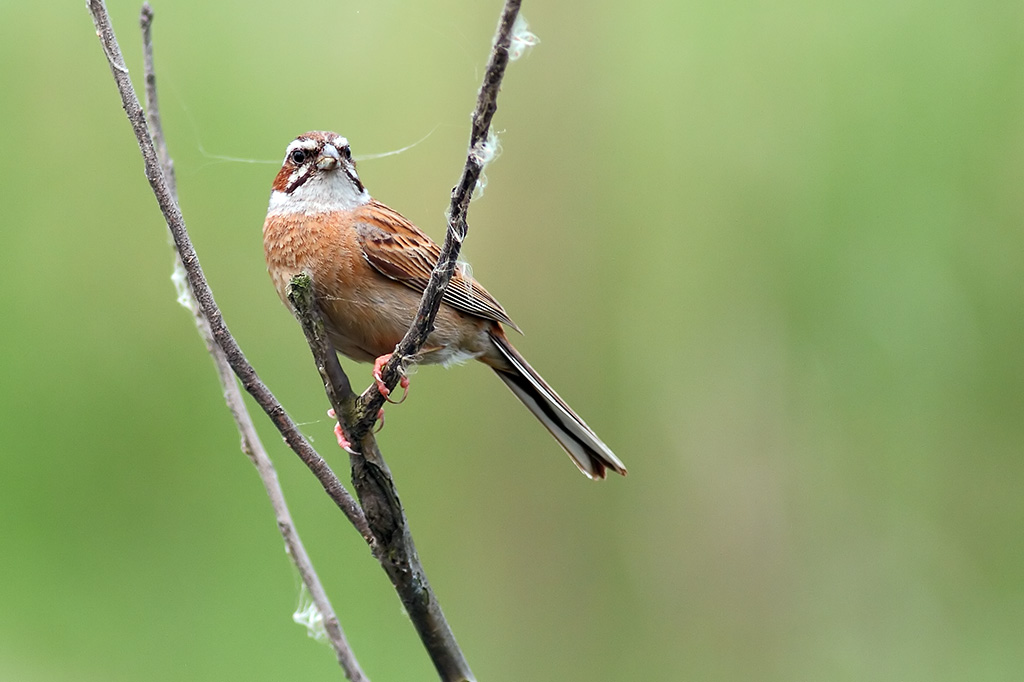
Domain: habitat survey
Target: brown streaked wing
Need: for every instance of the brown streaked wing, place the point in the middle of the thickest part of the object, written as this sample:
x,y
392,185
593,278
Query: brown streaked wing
x,y
398,249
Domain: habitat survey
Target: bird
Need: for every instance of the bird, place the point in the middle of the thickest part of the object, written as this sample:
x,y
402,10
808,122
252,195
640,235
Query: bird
x,y
369,266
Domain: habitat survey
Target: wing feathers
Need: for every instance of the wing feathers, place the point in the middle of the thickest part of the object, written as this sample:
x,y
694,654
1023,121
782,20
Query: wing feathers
x,y
399,250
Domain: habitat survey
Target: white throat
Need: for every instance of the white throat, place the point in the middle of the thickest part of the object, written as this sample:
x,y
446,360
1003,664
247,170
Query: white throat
x,y
323,193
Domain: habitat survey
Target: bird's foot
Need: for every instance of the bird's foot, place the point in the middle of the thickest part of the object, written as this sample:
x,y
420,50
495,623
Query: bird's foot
x,y
339,433
378,366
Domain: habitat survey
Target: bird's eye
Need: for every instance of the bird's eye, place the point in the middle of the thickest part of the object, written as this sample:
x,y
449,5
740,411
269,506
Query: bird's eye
x,y
299,156
346,152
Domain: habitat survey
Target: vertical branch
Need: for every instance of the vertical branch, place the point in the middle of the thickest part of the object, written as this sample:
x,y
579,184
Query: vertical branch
x,y
383,525
370,474
152,104
396,550
251,444
430,302
201,290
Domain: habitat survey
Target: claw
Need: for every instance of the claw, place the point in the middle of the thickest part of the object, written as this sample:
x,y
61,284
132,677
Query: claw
x,y
378,365
339,433
342,441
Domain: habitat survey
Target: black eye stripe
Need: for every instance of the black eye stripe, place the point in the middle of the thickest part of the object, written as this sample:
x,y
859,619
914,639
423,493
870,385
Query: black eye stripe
x,y
300,176
305,151
350,171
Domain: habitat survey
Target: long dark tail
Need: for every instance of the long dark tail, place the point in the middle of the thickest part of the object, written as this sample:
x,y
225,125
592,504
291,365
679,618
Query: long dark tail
x,y
572,433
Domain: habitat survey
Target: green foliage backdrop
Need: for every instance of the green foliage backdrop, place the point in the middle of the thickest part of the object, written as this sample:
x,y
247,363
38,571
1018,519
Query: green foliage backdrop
x,y
771,251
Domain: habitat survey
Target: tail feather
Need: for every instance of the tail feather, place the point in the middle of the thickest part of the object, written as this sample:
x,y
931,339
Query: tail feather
x,y
587,451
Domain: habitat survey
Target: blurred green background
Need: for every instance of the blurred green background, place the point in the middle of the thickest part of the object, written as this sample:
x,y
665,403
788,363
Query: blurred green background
x,y
772,252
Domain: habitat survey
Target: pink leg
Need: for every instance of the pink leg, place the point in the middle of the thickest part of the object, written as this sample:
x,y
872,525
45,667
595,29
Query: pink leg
x,y
339,433
342,441
378,365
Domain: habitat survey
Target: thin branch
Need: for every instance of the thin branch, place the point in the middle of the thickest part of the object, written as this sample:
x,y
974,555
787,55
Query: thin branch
x,y
251,444
487,103
370,474
384,525
372,479
152,103
253,448
201,290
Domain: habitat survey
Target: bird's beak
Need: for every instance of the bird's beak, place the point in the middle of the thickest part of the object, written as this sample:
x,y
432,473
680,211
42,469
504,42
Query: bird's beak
x,y
329,158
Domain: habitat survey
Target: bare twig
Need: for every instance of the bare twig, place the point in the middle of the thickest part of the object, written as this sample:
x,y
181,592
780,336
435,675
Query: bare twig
x,y
152,104
201,290
253,448
383,525
370,474
487,103
251,444
372,479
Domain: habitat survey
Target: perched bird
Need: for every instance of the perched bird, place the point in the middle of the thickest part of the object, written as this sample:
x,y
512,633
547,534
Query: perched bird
x,y
369,266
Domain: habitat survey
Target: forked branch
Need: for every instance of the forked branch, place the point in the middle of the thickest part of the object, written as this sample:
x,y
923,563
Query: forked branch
x,y
251,444
370,474
380,520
